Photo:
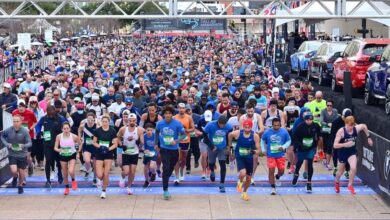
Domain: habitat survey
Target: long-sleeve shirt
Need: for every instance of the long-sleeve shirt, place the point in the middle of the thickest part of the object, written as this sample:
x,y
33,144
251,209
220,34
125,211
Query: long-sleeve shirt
x,y
28,86
8,100
20,141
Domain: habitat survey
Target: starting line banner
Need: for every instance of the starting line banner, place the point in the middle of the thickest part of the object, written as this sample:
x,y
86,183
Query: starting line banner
x,y
374,164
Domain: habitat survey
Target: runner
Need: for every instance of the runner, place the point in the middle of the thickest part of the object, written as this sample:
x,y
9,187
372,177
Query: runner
x,y
328,115
150,155
292,113
184,143
194,141
207,117
167,142
37,142
65,145
271,113
248,146
105,141
215,136
345,142
131,140
305,138
17,139
274,142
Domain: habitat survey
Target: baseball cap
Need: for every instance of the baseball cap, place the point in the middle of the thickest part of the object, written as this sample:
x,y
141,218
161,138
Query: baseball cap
x,y
58,104
21,102
118,96
95,97
128,100
33,99
181,105
126,112
77,99
247,123
222,119
162,88
233,104
7,85
275,90
208,116
188,107
136,89
132,115
346,112
308,115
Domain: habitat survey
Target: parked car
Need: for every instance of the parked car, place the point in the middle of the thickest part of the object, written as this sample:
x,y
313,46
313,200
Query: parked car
x,y
300,59
355,59
378,80
321,64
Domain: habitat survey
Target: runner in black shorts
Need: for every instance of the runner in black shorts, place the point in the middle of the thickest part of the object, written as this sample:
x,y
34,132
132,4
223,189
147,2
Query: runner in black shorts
x,y
86,130
150,155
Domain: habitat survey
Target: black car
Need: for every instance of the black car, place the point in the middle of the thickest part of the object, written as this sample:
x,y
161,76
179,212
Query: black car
x,y
321,64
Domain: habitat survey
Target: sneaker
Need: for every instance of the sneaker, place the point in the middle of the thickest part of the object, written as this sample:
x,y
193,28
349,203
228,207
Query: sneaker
x,y
152,177
212,176
86,176
252,181
66,192
308,188
334,171
324,163
277,182
14,181
74,185
292,169
166,195
196,165
176,182
329,167
99,184
31,170
24,183
146,185
203,177
159,173
188,171
337,187
316,158
181,177
122,183
129,191
273,191
48,185
239,186
351,189
94,182
321,155
295,180
20,190
82,168
103,195
60,180
52,175
245,196
222,189
346,174
304,175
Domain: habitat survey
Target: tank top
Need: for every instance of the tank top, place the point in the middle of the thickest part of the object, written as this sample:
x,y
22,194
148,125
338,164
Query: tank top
x,y
67,145
149,120
349,137
185,121
255,127
291,116
130,139
223,108
88,134
229,115
268,119
245,145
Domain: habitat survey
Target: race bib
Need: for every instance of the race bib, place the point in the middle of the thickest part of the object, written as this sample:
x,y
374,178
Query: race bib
x,y
307,142
131,150
183,137
275,148
16,147
25,126
88,141
168,139
151,153
47,135
292,125
192,134
244,151
66,151
217,140
326,129
105,144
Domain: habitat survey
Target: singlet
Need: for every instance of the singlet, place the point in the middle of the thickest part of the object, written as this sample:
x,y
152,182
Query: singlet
x,y
88,134
255,127
223,108
245,145
130,139
349,137
291,116
268,119
185,121
67,145
229,115
149,120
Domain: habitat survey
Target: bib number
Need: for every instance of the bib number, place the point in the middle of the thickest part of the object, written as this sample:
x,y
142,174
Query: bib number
x,y
275,148
130,150
66,151
105,144
16,147
151,153
25,126
307,142
192,134
47,135
168,140
183,137
217,140
326,129
244,151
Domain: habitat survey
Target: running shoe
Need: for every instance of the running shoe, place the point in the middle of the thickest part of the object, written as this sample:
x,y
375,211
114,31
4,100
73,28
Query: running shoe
x,y
316,158
159,173
252,181
239,186
20,190
304,175
324,163
188,171
94,182
295,180
330,168
292,169
99,184
82,168
277,182
176,182
122,183
196,165
222,189
203,177
152,177
103,195
321,155
129,191
14,181
24,182
66,192
337,187
181,177
52,175
308,188
31,170
351,189
245,196
166,195
74,185
212,176
346,174
334,171
48,185
86,176
273,191
146,185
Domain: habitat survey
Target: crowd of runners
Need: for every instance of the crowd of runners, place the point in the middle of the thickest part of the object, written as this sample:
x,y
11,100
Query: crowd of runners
x,y
107,103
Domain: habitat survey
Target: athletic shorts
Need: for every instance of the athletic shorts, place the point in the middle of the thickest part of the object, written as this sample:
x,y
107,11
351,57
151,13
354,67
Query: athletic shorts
x,y
89,148
279,163
344,153
328,143
202,147
129,159
107,156
146,160
67,159
20,162
219,153
184,146
306,155
245,163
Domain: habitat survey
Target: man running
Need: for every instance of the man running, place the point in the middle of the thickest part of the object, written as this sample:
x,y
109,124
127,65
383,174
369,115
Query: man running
x,y
248,146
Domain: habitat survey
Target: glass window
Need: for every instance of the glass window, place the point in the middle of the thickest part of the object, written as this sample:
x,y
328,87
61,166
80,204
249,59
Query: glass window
x,y
373,49
386,54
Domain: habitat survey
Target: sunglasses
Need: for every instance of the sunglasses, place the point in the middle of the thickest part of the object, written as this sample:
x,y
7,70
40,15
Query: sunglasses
x,y
329,105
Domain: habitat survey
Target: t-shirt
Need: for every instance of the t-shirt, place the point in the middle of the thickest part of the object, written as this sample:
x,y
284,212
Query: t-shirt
x,y
216,134
105,138
274,140
168,132
28,119
316,108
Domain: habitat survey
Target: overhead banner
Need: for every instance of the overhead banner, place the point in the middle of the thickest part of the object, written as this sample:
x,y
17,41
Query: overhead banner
x,y
374,164
24,40
193,24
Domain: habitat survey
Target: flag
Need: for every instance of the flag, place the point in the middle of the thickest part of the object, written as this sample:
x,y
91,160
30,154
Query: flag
x,y
271,10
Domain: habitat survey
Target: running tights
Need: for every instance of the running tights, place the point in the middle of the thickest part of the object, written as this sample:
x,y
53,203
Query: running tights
x,y
169,159
222,163
310,169
51,157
